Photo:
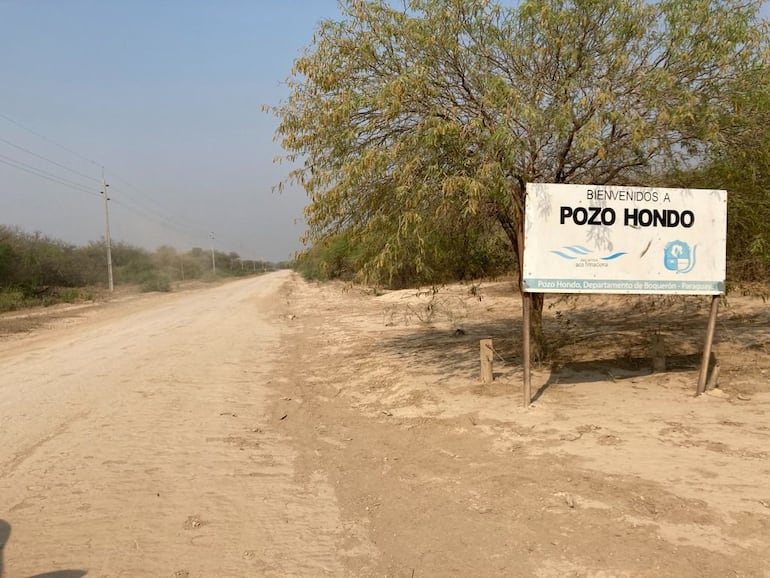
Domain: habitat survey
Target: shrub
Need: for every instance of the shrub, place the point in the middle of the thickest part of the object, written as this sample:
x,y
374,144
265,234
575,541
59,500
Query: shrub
x,y
156,282
11,299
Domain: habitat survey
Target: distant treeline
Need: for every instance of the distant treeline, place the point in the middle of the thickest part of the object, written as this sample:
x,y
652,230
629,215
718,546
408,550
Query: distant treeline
x,y
35,269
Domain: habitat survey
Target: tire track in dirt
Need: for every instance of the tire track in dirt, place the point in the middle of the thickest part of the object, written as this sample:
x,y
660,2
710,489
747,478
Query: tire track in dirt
x,y
178,468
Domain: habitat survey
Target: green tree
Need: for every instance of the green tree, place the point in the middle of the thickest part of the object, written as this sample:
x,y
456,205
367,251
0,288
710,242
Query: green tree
x,y
8,257
403,119
740,163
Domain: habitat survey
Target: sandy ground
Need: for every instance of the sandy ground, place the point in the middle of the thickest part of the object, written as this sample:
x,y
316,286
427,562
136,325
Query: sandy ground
x,y
271,427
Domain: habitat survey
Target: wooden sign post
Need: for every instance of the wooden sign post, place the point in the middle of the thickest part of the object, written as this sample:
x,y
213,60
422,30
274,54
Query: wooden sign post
x,y
623,240
704,364
526,353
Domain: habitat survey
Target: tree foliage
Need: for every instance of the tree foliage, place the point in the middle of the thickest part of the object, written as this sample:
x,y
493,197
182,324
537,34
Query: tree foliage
x,y
35,269
408,120
740,163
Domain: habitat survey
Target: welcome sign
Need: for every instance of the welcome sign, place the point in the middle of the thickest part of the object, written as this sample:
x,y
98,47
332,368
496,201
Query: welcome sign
x,y
616,239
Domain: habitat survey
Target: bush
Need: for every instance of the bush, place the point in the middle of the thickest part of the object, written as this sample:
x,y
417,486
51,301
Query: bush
x,y
11,299
156,282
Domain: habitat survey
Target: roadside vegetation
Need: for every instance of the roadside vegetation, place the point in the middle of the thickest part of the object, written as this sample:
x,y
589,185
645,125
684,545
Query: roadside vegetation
x,y
416,126
37,270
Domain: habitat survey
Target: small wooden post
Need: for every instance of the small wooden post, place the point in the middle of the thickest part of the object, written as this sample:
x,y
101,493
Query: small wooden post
x,y
658,353
487,357
526,354
704,364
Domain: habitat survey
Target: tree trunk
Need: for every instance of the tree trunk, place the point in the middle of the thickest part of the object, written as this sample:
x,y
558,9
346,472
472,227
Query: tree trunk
x,y
515,233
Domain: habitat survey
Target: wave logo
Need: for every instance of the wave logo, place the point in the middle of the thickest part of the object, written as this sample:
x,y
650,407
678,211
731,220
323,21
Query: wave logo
x,y
679,257
573,252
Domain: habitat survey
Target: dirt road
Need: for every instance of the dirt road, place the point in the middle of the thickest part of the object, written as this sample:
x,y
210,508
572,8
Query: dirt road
x,y
135,444
270,427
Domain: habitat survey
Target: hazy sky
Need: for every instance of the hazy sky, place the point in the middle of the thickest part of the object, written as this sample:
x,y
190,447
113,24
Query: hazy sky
x,y
166,95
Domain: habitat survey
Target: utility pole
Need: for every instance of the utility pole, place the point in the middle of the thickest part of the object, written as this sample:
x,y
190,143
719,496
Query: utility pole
x,y
213,259
107,232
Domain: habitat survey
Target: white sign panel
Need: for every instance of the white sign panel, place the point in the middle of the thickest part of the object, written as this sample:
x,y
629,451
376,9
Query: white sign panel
x,y
616,239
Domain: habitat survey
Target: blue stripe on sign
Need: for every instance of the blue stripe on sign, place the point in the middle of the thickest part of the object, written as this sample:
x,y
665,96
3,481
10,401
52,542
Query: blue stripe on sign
x,y
623,286
579,249
614,256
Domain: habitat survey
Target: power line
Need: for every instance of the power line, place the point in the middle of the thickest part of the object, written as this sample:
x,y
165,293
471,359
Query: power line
x,y
45,138
156,214
45,175
53,162
144,212
159,219
157,207
153,214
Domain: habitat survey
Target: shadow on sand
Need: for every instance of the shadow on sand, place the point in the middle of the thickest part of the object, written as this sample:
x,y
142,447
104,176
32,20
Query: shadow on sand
x,y
616,369
587,344
5,533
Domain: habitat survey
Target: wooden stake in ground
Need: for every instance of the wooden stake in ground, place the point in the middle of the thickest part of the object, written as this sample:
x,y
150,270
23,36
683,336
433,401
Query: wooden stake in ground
x,y
487,357
658,353
704,364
